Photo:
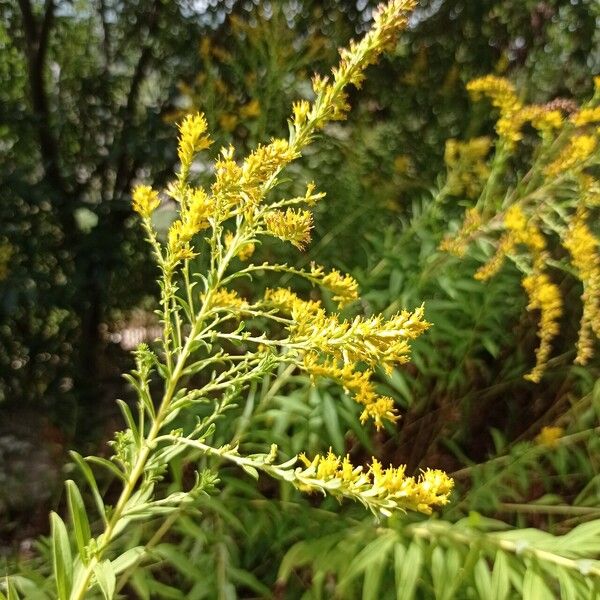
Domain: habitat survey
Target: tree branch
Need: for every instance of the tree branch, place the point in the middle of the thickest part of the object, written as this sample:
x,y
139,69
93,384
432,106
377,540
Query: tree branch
x,y
36,40
137,79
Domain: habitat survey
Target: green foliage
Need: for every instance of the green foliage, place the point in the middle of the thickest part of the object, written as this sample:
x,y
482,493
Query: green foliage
x,y
464,405
472,558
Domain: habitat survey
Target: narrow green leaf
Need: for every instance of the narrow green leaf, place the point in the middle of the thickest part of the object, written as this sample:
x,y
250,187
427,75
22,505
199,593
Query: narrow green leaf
x,y
248,580
79,517
107,464
105,578
91,480
483,580
372,582
127,559
250,470
500,577
567,580
534,586
61,556
407,571
129,420
332,422
11,591
439,572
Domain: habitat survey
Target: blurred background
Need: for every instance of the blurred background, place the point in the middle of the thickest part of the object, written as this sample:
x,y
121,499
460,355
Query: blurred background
x,y
90,91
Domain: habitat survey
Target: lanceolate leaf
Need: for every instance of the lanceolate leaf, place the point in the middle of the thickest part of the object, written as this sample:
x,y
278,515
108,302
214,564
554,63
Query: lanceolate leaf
x,y
79,518
105,577
61,557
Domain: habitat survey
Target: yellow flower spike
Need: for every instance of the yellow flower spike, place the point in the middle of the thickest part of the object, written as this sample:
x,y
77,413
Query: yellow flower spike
x,y
381,490
373,340
545,297
583,247
290,225
192,138
548,120
145,200
506,245
178,239
263,162
228,122
358,384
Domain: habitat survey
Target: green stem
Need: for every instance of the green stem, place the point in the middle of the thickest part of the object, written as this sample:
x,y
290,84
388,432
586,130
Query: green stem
x,y
82,585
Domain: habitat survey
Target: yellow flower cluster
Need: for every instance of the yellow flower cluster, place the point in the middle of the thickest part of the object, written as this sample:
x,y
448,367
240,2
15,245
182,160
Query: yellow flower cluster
x,y
291,225
545,297
513,115
499,90
519,230
542,118
357,383
229,299
381,490
343,286
245,184
336,349
194,216
192,138
262,164
586,116
145,200
557,179
549,436
467,168
370,340
573,156
459,243
583,247
289,303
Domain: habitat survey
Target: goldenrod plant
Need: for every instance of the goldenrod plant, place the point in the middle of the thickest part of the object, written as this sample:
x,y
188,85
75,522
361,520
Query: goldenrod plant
x,y
520,211
216,342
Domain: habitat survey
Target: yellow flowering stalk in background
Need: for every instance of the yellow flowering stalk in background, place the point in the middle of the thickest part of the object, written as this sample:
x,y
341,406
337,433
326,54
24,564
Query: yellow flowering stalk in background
x,y
583,247
545,297
554,197
467,168
211,352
